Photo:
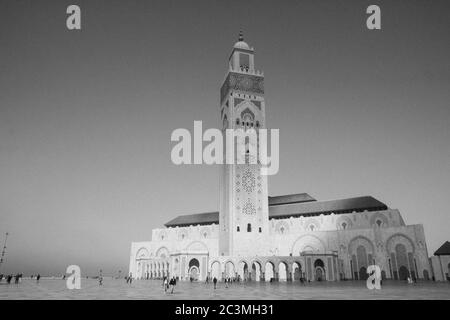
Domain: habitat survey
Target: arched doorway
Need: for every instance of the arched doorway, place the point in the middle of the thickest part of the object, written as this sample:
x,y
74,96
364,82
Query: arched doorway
x,y
319,270
194,269
230,270
282,271
296,271
256,271
363,273
269,274
403,273
215,271
243,271
426,276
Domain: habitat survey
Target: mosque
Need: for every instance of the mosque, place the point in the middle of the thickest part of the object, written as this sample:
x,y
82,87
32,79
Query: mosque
x,y
256,237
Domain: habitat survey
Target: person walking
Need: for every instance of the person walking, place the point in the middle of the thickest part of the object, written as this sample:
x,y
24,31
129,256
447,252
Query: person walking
x,y
166,284
173,284
37,278
215,282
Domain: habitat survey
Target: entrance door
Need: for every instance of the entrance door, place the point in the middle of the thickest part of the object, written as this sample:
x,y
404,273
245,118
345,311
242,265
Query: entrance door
x,y
194,273
403,273
363,274
320,274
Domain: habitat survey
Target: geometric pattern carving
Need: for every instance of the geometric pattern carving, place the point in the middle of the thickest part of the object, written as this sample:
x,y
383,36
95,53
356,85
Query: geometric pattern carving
x,y
246,83
249,208
248,181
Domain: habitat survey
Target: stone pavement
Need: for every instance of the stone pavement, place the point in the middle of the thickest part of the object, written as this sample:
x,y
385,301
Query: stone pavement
x,y
152,289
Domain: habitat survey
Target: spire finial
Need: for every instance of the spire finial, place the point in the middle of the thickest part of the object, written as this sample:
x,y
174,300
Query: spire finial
x,y
241,36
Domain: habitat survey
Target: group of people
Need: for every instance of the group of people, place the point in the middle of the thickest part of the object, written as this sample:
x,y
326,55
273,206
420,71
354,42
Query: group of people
x,y
17,278
169,284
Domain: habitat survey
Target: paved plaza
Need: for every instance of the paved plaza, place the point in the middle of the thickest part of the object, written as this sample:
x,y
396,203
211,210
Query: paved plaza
x,y
152,289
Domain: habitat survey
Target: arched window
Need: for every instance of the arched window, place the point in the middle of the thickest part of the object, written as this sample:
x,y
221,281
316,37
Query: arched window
x,y
260,229
344,225
238,229
249,227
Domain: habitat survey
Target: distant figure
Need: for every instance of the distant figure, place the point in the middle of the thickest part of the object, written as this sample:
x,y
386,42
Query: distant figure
x,y
1,277
166,284
8,279
37,278
173,283
130,278
16,278
215,282
226,282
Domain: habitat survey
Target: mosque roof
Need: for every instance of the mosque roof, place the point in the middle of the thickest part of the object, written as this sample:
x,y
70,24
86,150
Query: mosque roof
x,y
290,198
293,205
444,250
313,208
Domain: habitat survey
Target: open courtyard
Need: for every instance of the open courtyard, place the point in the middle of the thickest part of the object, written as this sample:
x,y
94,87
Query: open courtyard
x,y
152,289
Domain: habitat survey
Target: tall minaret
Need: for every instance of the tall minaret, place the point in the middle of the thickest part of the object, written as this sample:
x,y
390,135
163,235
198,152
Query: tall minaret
x,y
244,213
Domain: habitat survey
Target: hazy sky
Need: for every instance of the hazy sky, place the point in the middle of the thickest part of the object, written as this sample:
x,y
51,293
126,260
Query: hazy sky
x,y
86,116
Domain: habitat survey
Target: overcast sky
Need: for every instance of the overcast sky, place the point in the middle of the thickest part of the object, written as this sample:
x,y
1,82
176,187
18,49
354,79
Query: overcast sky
x,y
86,116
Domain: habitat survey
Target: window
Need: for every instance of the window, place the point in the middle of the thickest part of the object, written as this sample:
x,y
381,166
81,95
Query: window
x,y
249,227
379,222
237,121
238,229
260,229
344,225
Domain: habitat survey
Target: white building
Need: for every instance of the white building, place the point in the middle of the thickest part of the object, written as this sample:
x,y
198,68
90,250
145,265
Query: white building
x,y
440,263
257,237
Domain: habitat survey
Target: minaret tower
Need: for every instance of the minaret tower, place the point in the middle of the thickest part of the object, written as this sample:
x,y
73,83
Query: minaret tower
x,y
244,213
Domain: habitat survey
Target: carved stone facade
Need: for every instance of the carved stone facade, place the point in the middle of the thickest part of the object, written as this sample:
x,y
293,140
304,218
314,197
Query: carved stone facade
x,y
327,252
282,238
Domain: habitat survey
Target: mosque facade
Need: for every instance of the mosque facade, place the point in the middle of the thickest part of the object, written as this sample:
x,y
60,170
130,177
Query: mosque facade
x,y
255,237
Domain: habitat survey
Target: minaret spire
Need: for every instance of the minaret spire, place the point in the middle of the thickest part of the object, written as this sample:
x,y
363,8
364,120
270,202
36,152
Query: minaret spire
x,y
241,36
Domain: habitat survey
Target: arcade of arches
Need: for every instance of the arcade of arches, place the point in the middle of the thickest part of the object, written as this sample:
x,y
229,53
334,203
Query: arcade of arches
x,y
400,263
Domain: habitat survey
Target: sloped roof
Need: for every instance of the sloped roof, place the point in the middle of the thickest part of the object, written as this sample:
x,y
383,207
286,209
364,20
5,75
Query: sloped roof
x,y
280,210
444,250
194,219
327,207
290,198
